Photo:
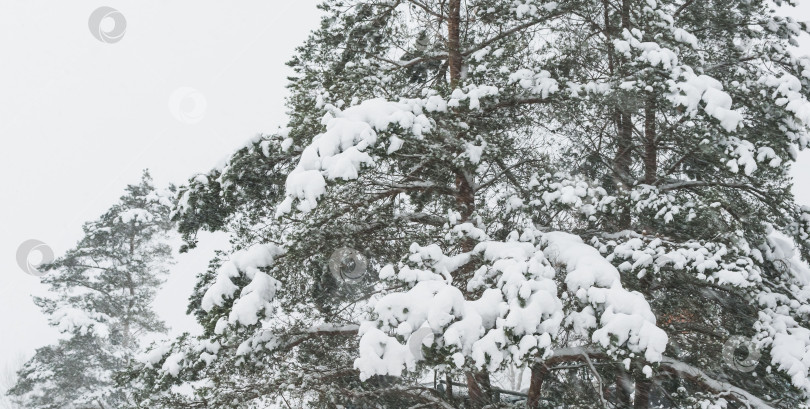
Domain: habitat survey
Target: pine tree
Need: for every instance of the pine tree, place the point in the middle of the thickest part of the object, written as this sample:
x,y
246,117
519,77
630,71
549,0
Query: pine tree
x,y
595,191
99,299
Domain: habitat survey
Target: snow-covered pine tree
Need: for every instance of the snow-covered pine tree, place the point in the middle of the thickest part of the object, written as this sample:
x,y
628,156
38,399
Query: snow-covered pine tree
x,y
594,190
99,299
694,138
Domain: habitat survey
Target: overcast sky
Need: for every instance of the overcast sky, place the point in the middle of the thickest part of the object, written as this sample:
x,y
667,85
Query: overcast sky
x,y
81,118
187,83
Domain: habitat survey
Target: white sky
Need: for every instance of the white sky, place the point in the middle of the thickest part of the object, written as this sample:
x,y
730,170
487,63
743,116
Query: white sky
x,y
80,118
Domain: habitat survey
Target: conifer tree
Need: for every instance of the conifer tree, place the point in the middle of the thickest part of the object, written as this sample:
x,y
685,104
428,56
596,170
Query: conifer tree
x,y
596,191
99,299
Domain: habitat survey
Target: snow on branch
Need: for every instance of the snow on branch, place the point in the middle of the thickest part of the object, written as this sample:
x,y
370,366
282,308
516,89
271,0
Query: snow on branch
x,y
627,316
718,387
518,313
667,364
339,152
257,295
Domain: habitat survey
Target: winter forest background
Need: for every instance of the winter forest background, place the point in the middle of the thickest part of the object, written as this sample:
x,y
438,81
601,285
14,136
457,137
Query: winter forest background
x,y
459,176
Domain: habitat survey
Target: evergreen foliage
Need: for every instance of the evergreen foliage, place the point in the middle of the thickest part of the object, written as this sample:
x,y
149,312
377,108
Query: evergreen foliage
x,y
595,192
99,298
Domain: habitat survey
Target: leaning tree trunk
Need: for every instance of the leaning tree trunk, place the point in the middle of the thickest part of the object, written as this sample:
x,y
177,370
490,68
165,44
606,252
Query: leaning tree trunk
x,y
624,387
642,395
479,388
539,373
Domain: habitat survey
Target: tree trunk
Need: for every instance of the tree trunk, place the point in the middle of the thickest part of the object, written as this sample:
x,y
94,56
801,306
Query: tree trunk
x,y
539,373
624,132
623,160
453,42
478,383
479,388
608,31
127,337
624,146
626,14
465,198
642,399
650,144
465,202
623,388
